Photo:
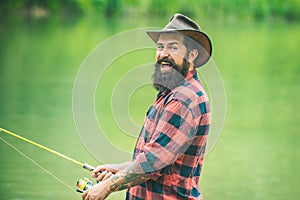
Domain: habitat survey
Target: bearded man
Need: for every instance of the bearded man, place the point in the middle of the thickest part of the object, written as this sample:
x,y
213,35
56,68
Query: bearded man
x,y
169,152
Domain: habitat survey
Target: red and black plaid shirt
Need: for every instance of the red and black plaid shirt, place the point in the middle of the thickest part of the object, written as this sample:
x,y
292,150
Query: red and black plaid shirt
x,y
171,145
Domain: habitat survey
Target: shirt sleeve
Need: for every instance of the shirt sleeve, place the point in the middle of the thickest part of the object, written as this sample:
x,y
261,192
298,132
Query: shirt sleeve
x,y
174,133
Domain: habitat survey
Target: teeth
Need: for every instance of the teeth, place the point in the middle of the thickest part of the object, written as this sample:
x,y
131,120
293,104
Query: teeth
x,y
164,63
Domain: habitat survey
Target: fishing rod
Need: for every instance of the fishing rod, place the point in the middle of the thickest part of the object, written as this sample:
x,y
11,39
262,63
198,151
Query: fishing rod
x,y
83,165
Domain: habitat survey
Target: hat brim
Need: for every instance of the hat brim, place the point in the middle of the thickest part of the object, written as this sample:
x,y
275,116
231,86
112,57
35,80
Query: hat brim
x,y
200,37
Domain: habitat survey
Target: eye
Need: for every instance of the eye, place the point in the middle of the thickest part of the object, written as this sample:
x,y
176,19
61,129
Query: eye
x,y
160,47
173,47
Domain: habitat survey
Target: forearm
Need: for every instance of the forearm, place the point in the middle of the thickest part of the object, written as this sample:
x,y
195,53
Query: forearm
x,y
127,178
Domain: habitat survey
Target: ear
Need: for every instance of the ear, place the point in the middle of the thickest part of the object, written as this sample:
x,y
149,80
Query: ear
x,y
192,55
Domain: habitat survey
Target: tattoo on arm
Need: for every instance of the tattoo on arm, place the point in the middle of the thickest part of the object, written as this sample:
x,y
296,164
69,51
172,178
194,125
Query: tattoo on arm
x,y
127,179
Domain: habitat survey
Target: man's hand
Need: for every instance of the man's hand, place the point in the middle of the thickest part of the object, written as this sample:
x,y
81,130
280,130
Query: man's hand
x,y
103,172
114,178
98,192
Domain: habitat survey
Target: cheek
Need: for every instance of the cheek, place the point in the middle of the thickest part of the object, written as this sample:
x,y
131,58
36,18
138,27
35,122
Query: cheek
x,y
157,55
178,59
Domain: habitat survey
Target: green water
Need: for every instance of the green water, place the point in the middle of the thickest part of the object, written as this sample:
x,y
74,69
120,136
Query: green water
x,y
256,157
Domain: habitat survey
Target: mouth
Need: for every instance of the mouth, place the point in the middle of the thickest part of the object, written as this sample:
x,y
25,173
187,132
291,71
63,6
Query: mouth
x,y
165,66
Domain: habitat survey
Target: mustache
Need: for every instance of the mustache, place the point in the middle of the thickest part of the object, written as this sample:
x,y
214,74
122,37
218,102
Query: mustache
x,y
166,61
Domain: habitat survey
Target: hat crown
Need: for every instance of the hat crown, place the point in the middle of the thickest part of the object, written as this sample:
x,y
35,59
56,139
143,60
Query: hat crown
x,y
181,22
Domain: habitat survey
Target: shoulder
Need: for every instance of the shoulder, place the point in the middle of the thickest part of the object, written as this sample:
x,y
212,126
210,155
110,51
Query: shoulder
x,y
189,96
189,93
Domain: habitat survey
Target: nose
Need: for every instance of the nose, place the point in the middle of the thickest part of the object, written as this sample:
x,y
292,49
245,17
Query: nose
x,y
164,53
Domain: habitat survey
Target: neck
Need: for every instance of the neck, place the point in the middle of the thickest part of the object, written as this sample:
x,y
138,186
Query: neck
x,y
191,67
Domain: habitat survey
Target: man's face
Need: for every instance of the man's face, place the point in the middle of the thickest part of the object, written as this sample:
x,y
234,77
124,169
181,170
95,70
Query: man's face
x,y
171,62
170,47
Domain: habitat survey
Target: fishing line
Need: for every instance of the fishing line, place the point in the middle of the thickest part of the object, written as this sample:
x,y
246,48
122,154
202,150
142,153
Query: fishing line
x,y
34,162
84,165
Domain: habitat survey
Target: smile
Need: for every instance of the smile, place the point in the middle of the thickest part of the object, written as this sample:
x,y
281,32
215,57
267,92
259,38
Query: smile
x,y
165,66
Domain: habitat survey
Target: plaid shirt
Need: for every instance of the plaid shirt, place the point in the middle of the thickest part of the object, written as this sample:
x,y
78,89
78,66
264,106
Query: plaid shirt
x,y
171,145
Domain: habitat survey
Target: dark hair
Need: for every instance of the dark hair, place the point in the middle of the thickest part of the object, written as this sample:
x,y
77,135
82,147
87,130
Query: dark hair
x,y
191,44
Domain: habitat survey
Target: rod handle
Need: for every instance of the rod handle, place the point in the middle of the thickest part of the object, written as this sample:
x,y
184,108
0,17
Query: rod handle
x,y
88,167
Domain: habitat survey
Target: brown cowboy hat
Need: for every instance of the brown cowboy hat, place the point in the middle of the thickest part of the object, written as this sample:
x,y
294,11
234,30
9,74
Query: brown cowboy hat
x,y
185,25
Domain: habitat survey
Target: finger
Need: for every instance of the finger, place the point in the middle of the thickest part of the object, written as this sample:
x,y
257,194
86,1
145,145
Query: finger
x,y
107,176
96,174
84,195
98,170
101,176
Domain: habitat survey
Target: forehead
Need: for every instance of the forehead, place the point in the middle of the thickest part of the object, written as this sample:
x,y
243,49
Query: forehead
x,y
170,37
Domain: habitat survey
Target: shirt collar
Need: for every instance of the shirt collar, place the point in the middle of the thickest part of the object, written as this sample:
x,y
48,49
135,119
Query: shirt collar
x,y
191,74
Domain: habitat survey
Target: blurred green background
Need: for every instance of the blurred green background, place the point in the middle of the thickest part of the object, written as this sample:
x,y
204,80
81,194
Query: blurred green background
x,y
256,48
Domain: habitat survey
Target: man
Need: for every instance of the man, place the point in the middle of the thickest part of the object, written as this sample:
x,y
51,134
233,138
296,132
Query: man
x,y
169,152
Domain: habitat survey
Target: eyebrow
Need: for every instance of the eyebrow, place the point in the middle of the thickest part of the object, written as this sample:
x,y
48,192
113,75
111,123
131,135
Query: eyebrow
x,y
171,43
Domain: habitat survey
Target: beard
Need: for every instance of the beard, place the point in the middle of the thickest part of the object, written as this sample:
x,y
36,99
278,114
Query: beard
x,y
167,81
